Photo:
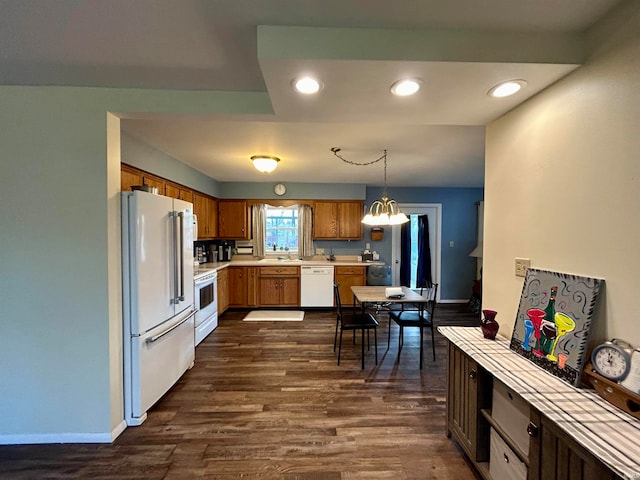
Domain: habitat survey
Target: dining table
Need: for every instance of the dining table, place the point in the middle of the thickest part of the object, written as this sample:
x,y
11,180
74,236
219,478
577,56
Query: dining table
x,y
377,295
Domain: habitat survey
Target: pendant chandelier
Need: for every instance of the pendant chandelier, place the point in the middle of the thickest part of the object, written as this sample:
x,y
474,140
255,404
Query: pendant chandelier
x,y
383,211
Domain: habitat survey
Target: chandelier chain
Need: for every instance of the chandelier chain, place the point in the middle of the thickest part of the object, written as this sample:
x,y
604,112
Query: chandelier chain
x,y
335,151
384,211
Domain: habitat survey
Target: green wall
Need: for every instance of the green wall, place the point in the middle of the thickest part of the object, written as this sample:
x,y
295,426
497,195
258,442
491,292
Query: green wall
x,y
60,324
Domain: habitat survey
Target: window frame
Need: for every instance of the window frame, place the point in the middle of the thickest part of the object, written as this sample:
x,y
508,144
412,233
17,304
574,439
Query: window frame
x,y
268,247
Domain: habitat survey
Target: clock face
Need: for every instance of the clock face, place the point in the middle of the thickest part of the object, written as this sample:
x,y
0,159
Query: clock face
x,y
610,361
280,189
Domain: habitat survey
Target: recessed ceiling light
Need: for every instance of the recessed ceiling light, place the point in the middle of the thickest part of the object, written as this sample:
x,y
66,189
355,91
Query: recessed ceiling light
x,y
505,89
306,85
406,87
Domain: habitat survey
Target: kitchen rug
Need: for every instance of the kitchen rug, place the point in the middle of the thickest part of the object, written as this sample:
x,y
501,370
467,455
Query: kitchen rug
x,y
274,316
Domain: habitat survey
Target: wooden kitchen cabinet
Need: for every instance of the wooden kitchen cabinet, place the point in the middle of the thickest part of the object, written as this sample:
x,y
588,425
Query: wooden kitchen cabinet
x,y
174,190
337,220
129,177
233,220
206,209
223,290
349,276
278,286
242,287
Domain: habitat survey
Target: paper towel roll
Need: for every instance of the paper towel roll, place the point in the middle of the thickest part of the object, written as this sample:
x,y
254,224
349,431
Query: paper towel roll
x,y
394,292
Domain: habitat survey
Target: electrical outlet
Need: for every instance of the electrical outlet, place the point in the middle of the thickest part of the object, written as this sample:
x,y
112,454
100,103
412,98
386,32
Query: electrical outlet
x,y
521,266
319,251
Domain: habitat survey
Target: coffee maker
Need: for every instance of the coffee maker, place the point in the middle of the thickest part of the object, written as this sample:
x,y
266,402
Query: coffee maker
x,y
224,252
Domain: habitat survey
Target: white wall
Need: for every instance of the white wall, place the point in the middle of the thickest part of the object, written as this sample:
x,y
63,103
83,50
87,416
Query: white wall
x,y
562,182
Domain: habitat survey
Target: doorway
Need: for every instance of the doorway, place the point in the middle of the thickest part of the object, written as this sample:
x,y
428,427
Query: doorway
x,y
434,212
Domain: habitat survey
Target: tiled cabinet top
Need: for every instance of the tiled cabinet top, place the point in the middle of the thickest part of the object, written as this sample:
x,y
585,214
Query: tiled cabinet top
x,y
605,431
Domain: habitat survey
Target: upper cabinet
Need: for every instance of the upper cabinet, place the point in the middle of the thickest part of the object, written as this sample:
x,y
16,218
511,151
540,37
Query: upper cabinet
x,y
174,190
130,176
337,220
206,209
233,220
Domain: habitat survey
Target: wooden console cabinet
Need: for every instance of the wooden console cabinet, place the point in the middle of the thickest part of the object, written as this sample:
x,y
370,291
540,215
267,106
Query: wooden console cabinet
x,y
549,452
469,391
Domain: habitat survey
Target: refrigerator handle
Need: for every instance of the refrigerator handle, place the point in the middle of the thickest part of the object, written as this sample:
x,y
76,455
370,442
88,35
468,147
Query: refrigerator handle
x,y
155,338
174,228
180,256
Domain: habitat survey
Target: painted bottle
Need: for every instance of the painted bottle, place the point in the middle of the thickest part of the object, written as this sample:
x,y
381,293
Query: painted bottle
x,y
548,327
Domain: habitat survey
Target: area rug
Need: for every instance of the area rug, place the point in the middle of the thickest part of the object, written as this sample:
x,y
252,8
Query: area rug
x,y
274,316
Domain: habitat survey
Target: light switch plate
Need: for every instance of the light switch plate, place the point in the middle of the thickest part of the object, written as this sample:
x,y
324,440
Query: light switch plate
x,y
521,266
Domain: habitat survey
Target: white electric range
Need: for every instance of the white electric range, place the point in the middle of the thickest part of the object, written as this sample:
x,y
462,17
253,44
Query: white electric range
x,y
206,301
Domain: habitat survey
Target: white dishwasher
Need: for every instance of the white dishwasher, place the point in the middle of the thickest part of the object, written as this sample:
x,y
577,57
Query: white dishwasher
x,y
316,286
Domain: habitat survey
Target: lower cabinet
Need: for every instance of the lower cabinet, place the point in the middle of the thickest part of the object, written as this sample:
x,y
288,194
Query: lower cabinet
x,y
278,286
239,286
504,436
223,290
347,277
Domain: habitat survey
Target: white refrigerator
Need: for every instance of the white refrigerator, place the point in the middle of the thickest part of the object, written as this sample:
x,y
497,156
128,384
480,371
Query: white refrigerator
x,y
157,298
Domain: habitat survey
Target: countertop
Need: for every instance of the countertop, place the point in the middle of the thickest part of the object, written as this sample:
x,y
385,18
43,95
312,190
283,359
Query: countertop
x,y
346,261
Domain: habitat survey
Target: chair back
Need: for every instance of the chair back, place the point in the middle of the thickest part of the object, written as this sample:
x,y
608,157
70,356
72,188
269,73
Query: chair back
x,y
336,296
430,292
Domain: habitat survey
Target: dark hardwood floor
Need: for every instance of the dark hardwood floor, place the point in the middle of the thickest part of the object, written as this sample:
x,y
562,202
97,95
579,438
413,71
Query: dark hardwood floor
x,y
266,400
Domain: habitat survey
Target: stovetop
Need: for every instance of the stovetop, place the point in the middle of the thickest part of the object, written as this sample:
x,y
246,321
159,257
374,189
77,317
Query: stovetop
x,y
200,271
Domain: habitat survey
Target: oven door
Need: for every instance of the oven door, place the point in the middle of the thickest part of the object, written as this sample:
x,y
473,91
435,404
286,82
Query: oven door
x,y
206,297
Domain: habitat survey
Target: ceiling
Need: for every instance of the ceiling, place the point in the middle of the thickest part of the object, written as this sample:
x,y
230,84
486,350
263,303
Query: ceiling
x,y
358,48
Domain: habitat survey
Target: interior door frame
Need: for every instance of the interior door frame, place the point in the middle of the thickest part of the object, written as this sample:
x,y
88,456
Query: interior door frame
x,y
434,211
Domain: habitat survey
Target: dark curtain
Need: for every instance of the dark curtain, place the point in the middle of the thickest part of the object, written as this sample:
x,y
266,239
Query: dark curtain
x,y
405,254
423,273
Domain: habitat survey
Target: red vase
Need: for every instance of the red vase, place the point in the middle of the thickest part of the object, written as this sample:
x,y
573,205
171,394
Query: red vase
x,y
489,325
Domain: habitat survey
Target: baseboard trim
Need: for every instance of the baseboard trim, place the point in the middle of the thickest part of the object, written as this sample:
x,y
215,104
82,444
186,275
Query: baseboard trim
x,y
40,438
454,300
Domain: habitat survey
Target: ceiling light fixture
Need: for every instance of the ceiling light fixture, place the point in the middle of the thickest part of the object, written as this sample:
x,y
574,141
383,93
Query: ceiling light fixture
x,y
383,211
506,89
306,85
265,163
406,87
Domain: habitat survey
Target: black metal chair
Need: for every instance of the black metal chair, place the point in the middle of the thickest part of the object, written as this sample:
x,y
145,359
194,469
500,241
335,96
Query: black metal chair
x,y
416,315
353,319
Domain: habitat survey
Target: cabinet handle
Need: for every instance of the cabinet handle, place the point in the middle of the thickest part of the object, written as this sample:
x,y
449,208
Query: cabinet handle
x,y
532,430
473,374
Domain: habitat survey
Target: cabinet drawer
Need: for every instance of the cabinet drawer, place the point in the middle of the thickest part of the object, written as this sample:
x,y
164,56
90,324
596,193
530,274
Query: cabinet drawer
x,y
344,270
512,413
269,271
503,463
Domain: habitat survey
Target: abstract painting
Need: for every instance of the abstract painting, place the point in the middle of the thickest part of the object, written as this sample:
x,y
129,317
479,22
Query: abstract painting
x,y
553,321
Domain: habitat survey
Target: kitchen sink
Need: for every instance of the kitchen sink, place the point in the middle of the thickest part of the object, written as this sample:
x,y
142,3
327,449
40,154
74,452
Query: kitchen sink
x,y
277,261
